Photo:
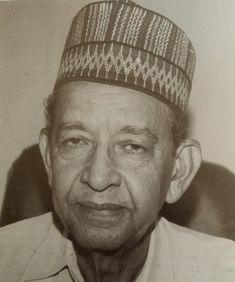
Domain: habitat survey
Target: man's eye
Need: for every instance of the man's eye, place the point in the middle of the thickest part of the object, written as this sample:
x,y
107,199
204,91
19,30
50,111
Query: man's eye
x,y
73,147
74,142
134,149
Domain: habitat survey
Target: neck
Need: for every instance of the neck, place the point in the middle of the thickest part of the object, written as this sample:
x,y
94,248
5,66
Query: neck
x,y
122,265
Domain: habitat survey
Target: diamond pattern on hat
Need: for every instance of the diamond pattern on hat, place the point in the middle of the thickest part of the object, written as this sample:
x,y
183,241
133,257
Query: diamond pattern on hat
x,y
121,43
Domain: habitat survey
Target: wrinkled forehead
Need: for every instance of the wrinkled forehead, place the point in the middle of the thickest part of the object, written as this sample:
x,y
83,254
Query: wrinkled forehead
x,y
106,105
107,94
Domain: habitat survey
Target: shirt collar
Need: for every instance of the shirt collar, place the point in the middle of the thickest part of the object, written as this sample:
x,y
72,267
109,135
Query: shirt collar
x,y
157,266
49,257
59,253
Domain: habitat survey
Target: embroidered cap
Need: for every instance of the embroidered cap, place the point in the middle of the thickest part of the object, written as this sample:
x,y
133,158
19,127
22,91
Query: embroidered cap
x,y
124,44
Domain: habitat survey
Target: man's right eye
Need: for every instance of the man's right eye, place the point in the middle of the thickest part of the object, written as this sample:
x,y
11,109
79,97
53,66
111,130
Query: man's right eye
x,y
74,142
73,147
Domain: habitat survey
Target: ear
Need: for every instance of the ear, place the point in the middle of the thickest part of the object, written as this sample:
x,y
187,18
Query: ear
x,y
45,152
187,163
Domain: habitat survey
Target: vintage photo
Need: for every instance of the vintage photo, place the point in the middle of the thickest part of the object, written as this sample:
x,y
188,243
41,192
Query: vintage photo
x,y
117,156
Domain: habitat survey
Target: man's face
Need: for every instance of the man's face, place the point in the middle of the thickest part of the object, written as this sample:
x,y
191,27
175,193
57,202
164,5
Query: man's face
x,y
111,163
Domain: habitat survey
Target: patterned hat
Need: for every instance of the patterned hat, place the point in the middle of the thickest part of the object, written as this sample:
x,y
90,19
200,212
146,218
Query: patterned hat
x,y
120,43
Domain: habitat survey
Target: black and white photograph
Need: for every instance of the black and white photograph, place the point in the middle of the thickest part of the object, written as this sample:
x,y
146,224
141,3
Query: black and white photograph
x,y
117,147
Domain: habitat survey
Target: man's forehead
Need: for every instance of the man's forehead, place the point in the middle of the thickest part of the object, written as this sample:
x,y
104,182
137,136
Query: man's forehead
x,y
105,93
78,94
98,105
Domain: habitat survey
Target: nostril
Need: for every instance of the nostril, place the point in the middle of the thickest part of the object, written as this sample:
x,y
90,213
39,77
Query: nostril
x,y
100,180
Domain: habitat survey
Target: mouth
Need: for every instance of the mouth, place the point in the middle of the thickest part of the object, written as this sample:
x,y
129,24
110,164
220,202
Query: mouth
x,y
101,207
100,214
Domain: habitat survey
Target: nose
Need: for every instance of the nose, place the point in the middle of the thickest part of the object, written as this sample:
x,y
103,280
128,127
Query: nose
x,y
99,172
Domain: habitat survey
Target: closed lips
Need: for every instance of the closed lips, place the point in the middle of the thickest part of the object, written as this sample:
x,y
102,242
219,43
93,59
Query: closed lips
x,y
100,207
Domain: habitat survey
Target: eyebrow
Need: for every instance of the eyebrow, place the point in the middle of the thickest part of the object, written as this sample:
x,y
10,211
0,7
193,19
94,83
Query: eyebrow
x,y
129,129
140,131
68,126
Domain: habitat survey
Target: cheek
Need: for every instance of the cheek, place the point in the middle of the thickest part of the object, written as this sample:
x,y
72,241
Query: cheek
x,y
149,193
148,185
146,193
64,174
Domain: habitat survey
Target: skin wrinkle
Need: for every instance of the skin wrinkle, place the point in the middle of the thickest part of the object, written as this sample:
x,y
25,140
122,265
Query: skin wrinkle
x,y
144,176
126,129
109,267
179,120
142,133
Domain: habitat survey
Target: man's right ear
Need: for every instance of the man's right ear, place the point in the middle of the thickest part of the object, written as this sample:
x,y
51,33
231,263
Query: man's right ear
x,y
45,152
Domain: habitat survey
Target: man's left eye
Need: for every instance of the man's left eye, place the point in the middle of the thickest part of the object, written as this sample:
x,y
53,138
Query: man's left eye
x,y
134,149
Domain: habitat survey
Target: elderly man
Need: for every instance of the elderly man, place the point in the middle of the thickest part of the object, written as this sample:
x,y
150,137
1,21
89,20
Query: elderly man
x,y
115,150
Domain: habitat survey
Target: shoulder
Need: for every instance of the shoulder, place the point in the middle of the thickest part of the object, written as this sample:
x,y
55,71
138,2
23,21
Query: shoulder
x,y
206,257
18,232
19,240
197,240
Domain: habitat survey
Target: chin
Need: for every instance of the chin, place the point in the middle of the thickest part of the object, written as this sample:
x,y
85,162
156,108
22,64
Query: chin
x,y
101,239
100,230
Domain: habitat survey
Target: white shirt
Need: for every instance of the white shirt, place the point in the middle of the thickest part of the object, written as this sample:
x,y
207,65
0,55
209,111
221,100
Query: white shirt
x,y
35,250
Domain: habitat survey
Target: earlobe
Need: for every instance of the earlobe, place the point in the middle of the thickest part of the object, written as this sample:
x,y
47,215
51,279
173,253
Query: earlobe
x,y
45,152
187,163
